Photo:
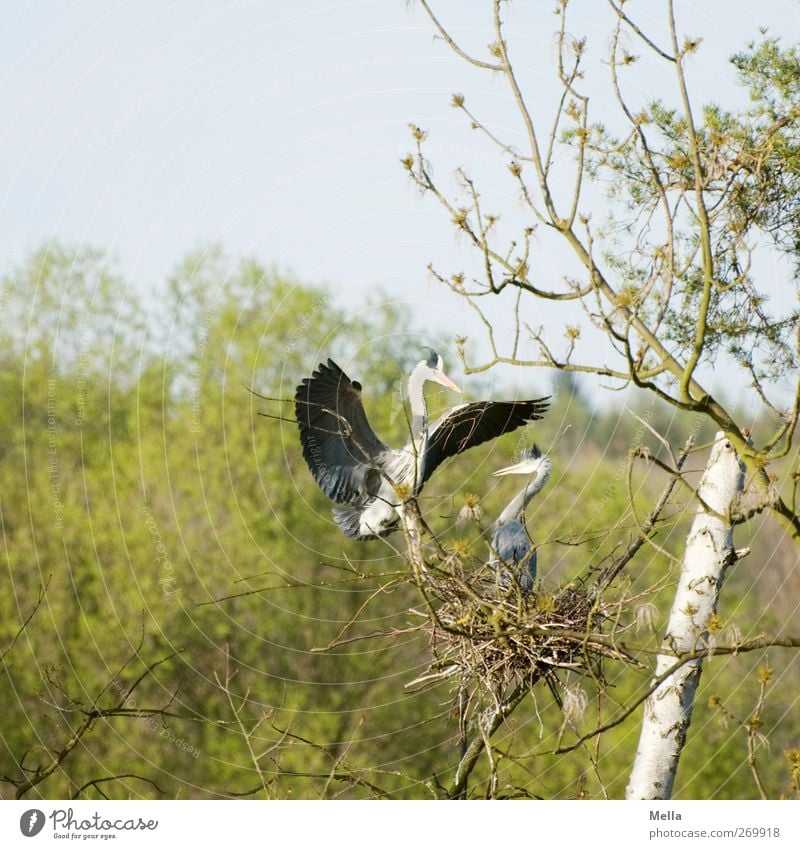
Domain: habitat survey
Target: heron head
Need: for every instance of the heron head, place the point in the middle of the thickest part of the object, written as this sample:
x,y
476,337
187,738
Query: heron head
x,y
531,462
432,369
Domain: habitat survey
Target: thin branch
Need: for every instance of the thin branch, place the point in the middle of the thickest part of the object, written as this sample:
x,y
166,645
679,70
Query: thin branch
x,y
648,41
34,610
95,782
93,713
490,724
607,576
752,645
478,63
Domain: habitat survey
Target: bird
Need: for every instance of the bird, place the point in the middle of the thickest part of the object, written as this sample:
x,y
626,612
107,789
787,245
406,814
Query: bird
x,y
513,553
354,468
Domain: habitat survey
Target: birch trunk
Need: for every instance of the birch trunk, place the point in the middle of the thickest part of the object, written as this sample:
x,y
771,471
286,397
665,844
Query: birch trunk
x,y
709,549
411,529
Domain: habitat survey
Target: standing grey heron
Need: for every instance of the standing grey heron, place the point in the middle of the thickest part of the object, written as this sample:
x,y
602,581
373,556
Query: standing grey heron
x,y
353,467
513,553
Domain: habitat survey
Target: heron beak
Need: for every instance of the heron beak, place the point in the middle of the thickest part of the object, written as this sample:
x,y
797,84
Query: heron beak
x,y
441,377
521,468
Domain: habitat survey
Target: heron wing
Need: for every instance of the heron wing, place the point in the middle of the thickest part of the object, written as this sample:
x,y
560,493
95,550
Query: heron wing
x,y
469,425
511,543
339,445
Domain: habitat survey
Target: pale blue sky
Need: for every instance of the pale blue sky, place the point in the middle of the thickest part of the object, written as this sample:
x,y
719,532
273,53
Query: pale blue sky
x,y
151,128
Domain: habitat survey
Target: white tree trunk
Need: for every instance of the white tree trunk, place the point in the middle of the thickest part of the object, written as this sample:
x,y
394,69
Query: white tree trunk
x,y
709,549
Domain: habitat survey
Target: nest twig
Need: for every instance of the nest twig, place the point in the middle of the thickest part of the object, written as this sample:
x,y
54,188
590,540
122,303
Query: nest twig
x,y
488,640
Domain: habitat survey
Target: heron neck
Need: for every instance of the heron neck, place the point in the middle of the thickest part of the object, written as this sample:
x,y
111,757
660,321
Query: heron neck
x,y
416,397
516,507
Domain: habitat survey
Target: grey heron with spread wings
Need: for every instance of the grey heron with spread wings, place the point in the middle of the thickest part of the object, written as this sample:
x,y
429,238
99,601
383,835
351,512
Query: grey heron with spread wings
x,y
355,469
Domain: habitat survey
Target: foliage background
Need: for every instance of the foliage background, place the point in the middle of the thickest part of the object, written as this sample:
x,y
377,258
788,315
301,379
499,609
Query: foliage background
x,y
138,485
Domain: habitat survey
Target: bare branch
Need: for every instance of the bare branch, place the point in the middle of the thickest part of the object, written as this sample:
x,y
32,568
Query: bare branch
x,y
26,621
478,63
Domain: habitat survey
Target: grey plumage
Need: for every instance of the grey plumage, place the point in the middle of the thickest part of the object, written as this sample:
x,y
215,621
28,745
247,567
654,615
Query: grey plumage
x,y
355,469
513,552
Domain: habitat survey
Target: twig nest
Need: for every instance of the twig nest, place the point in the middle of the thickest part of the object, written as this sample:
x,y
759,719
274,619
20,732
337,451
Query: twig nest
x,y
490,642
